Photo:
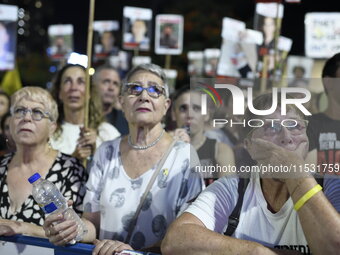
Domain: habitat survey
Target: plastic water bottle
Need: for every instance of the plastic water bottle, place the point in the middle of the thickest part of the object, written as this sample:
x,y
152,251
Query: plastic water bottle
x,y
187,129
49,198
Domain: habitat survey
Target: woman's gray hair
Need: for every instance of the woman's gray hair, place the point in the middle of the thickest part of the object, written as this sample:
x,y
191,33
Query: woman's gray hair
x,y
152,68
38,95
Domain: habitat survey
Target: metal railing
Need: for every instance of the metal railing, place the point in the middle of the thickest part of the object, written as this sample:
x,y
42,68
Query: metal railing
x,y
76,249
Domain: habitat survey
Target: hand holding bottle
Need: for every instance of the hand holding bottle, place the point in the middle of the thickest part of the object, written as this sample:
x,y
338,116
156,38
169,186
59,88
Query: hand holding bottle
x,y
62,222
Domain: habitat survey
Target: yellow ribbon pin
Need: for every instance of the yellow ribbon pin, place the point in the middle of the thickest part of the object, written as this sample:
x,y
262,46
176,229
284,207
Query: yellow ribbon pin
x,y
165,171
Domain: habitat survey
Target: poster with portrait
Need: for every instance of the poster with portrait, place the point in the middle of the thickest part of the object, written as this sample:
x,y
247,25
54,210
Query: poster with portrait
x,y
169,34
230,49
238,50
322,34
299,71
250,40
239,58
61,41
228,63
267,20
137,28
105,38
8,36
231,29
195,66
211,58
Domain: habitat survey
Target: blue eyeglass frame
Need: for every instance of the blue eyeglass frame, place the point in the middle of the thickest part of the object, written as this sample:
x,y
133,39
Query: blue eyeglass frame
x,y
46,115
128,85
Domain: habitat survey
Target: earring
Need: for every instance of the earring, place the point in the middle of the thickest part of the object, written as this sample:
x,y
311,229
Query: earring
x,y
9,146
49,143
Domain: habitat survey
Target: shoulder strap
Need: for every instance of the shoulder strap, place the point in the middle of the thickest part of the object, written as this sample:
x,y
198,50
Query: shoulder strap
x,y
235,215
148,188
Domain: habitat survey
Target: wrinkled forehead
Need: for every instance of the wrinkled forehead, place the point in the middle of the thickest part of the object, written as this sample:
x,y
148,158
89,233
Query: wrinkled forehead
x,y
28,102
73,71
292,113
145,77
109,74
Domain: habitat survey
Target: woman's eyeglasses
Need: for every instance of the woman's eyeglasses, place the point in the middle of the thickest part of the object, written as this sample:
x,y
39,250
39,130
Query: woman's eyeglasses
x,y
274,127
36,114
135,89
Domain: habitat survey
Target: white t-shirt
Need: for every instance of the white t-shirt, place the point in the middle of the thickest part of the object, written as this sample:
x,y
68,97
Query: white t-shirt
x,y
67,141
256,223
112,192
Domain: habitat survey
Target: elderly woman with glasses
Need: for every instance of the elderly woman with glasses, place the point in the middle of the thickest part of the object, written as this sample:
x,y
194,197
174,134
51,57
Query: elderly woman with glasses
x,y
147,165
33,122
281,206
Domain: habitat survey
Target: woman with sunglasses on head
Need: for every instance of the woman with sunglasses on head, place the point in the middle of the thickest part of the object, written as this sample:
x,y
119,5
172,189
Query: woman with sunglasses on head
x,y
33,122
147,165
71,137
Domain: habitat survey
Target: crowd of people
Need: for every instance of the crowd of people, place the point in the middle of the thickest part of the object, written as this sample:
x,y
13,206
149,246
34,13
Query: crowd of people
x,y
146,187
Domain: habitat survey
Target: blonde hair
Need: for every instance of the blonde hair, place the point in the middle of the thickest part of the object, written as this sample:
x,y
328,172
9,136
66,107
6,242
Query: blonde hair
x,y
38,95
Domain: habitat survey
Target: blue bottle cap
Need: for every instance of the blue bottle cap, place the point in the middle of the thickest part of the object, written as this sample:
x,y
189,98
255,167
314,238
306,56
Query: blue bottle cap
x,y
51,207
34,178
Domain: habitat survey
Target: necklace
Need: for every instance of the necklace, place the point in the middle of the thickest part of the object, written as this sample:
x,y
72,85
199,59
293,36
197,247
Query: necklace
x,y
136,147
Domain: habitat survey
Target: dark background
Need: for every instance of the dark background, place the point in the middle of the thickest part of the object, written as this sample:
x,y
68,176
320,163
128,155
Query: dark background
x,y
202,29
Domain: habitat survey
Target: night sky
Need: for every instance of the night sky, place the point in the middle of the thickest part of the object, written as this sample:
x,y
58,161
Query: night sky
x,y
76,13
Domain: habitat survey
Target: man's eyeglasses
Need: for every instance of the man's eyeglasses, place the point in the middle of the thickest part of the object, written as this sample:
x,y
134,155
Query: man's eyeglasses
x,y
36,114
136,89
274,127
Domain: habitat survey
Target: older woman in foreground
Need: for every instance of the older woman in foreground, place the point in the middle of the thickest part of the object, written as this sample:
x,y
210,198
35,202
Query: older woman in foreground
x,y
33,122
124,168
